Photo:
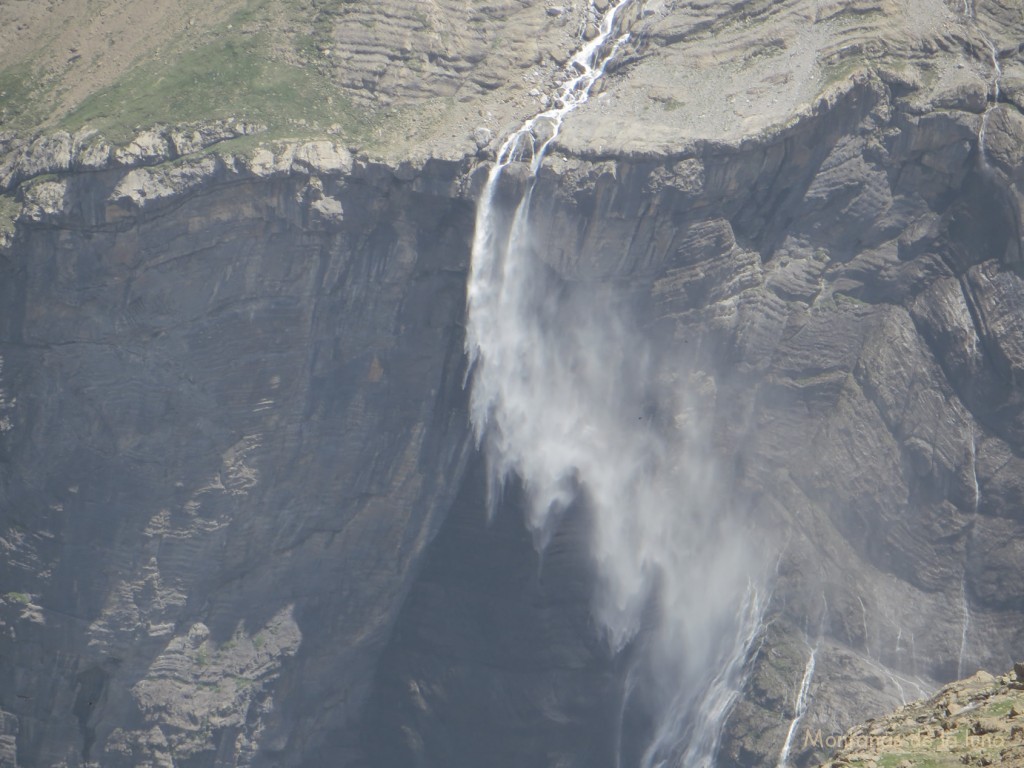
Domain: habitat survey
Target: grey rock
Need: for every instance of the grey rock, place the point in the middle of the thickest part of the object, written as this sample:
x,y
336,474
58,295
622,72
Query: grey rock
x,y
148,146
44,201
482,137
970,95
1004,138
322,157
169,662
329,208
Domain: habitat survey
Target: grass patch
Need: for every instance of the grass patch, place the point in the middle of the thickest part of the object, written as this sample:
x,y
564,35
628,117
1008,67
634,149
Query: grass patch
x,y
848,300
841,70
18,102
9,210
21,598
917,759
893,759
999,708
669,104
270,63
228,77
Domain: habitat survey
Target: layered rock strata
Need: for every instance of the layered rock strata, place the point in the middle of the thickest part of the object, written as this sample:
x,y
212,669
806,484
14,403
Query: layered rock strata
x,y
243,518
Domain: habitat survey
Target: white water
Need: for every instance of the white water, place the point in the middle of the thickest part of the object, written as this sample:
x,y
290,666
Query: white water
x,y
800,708
718,699
997,69
913,654
864,623
563,389
965,628
900,682
974,468
997,76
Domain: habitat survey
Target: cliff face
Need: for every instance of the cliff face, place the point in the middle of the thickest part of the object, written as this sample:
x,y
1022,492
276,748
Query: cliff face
x,y
244,521
838,292
173,598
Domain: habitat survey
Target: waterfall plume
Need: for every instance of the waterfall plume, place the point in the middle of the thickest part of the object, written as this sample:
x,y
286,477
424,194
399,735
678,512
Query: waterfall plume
x,y
563,391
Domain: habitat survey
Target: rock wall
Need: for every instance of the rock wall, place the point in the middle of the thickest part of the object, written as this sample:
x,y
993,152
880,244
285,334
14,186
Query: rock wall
x,y
834,295
237,472
231,418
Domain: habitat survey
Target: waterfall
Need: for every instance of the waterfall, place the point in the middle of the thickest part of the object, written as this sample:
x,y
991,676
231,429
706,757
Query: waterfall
x,y
997,76
965,627
800,707
997,69
563,392
974,468
864,624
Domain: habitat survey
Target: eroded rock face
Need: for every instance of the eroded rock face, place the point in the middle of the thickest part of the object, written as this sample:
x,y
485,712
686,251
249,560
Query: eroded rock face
x,y
221,596
234,448
844,295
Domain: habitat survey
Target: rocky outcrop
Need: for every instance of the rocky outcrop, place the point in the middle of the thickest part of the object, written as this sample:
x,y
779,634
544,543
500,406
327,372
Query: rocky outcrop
x,y
976,721
86,151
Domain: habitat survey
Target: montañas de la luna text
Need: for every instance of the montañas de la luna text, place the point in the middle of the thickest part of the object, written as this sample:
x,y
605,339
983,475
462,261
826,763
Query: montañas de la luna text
x,y
894,742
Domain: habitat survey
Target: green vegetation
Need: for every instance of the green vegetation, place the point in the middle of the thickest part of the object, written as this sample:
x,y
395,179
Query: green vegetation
x,y
269,63
21,598
9,209
946,750
757,54
894,759
839,71
229,77
852,15
845,298
17,91
669,104
999,708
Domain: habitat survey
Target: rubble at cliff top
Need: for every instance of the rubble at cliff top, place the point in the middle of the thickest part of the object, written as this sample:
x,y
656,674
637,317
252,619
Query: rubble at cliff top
x,y
977,721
